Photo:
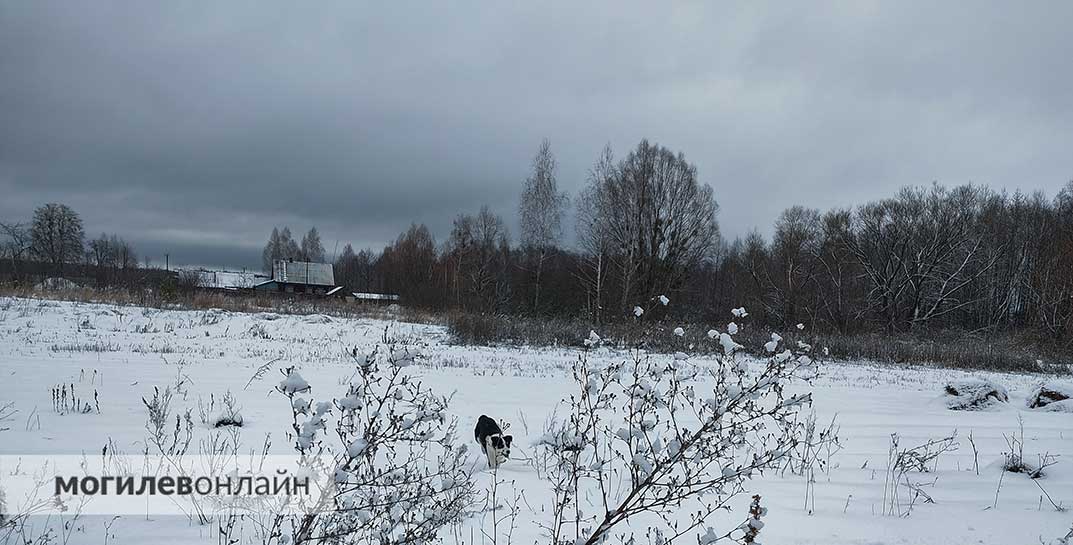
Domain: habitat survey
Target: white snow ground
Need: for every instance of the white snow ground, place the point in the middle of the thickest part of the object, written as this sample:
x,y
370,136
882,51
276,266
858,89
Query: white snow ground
x,y
123,352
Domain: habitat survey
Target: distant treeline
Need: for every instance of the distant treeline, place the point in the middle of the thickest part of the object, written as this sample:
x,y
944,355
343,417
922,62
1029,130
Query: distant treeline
x,y
963,258
53,244
967,258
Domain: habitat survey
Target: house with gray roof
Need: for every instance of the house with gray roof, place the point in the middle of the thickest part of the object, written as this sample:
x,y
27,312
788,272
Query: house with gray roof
x,y
300,277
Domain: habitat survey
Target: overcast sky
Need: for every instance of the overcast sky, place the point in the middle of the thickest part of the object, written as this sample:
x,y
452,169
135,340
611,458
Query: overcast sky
x,y
193,128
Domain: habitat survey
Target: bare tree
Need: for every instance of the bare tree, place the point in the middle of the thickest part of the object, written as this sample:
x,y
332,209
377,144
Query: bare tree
x,y
312,250
281,246
1050,283
479,249
364,267
756,259
272,252
836,272
593,237
288,246
660,219
793,249
17,244
109,255
124,254
56,235
919,251
408,265
355,270
541,211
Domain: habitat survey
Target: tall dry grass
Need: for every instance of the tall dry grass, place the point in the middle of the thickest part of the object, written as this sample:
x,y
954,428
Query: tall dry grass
x,y
996,352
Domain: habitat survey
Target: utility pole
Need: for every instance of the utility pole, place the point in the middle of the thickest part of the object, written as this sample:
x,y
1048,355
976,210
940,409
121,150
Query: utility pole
x,y
167,262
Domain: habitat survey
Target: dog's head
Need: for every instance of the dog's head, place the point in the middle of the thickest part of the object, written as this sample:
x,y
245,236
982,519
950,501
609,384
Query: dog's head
x,y
501,444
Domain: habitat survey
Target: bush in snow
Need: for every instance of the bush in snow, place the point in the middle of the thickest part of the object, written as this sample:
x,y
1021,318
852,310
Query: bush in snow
x,y
1014,460
973,394
1052,396
901,493
655,445
171,442
398,475
222,413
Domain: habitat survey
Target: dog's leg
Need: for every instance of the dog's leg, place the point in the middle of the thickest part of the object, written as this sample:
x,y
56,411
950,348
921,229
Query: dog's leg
x,y
490,453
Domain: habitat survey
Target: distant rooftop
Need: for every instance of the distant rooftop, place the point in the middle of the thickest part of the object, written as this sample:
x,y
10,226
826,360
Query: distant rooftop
x,y
302,272
222,279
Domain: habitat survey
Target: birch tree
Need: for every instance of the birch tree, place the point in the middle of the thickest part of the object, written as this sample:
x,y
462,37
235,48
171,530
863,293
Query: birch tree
x,y
541,211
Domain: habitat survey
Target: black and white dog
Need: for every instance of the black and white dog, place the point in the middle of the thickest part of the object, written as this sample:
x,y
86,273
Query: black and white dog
x,y
495,445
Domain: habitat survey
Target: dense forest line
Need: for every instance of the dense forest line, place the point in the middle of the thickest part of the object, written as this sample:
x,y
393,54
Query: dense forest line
x,y
967,258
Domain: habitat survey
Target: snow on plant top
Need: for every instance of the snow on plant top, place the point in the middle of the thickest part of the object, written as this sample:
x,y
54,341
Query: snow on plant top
x,y
973,394
1052,396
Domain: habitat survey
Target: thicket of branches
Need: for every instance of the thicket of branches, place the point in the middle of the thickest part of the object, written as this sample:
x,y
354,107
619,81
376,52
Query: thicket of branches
x,y
964,258
927,258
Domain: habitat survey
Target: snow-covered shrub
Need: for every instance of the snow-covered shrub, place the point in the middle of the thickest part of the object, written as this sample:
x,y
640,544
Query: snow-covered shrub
x,y
974,394
669,444
222,413
753,524
398,475
1052,396
257,331
171,442
1014,460
167,442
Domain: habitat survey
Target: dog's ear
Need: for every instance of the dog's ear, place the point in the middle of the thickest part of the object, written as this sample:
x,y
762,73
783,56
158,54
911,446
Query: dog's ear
x,y
508,439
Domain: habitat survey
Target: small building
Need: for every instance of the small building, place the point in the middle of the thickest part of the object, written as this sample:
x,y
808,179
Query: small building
x,y
300,277
375,298
225,280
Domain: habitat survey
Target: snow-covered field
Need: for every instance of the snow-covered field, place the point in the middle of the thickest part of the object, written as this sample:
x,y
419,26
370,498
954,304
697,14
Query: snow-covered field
x,y
122,353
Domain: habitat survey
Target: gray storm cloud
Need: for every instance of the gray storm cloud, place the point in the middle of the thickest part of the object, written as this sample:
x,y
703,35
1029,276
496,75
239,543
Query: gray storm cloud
x,y
193,128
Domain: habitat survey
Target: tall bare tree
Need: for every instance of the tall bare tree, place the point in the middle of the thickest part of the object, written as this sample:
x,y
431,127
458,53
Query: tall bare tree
x,y
272,251
541,211
56,235
112,252
837,274
1051,284
281,246
110,255
793,250
479,249
593,237
920,251
660,218
16,244
408,265
312,250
